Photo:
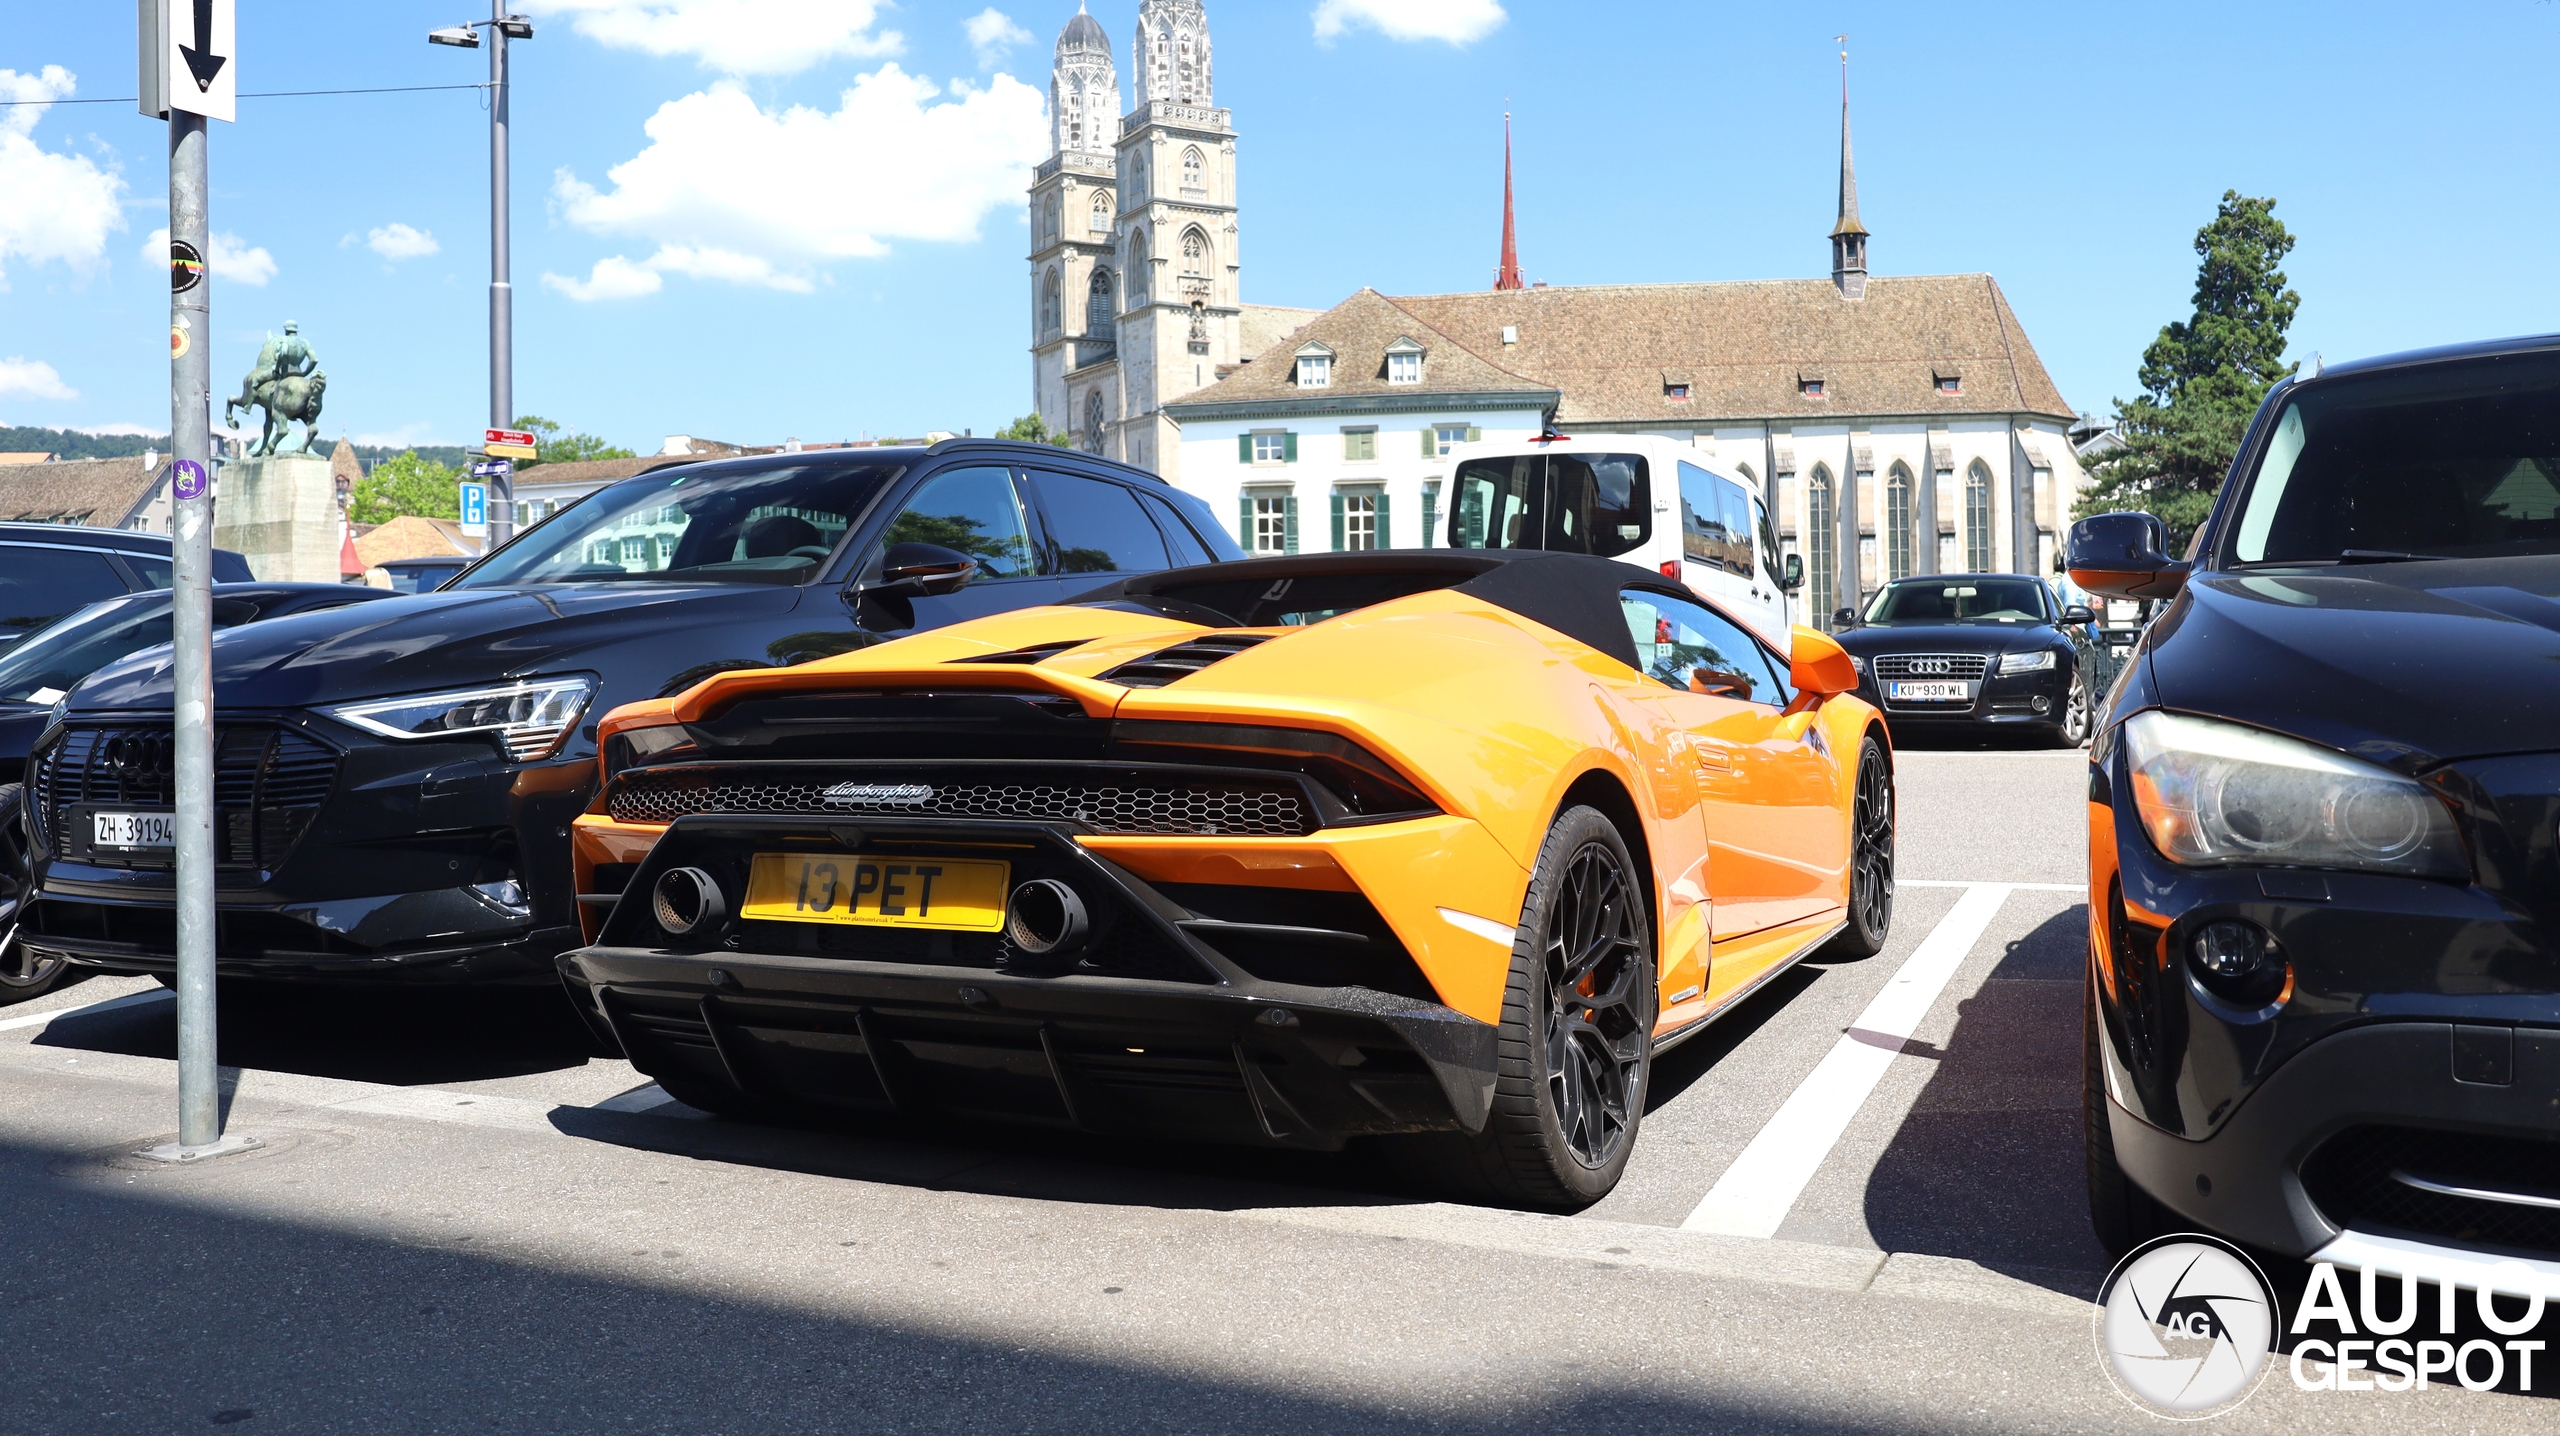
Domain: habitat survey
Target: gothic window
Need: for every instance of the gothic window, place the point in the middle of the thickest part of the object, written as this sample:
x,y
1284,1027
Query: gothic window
x,y
1164,63
1897,523
1195,253
1195,179
1100,222
1822,540
1098,312
1049,304
1141,277
1977,518
1137,179
1093,422
1074,107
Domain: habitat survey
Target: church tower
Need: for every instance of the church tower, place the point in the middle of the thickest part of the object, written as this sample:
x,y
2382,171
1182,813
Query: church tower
x,y
1177,232
1075,280
1848,237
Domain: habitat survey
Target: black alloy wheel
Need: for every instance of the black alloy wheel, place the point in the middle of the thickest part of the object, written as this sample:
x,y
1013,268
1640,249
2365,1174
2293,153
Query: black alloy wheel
x,y
2074,731
1577,1028
1870,858
22,974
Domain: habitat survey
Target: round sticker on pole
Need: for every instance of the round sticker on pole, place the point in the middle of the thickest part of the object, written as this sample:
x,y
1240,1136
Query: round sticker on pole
x,y
188,478
186,267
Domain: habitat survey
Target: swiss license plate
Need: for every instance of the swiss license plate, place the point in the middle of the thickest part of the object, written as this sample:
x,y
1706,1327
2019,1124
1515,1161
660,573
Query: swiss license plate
x,y
133,830
1942,691
952,894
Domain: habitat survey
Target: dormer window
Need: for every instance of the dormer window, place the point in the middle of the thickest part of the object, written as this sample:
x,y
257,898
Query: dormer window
x,y
1676,393
1810,388
1950,383
1404,360
1315,371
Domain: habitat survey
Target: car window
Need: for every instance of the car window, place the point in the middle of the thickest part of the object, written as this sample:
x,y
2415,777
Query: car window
x,y
975,511
1695,649
1737,526
770,522
1186,546
1972,598
39,585
154,572
1769,552
1096,526
1704,532
1500,502
1597,503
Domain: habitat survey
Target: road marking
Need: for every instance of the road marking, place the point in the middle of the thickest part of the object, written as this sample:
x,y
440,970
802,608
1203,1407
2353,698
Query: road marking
x,y
2021,887
1755,1194
135,999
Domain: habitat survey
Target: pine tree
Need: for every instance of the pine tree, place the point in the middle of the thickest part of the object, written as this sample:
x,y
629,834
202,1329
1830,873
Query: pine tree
x,y
2204,378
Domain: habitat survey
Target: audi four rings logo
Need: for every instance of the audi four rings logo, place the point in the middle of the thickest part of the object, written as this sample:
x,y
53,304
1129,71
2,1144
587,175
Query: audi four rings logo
x,y
889,794
141,754
1932,665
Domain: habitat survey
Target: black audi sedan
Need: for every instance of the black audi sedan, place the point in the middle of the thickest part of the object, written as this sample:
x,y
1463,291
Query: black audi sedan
x,y
2324,815
1973,653
395,783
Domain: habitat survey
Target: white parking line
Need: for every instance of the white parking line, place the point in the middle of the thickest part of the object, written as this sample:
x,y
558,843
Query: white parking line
x,y
1755,1194
2021,887
41,1019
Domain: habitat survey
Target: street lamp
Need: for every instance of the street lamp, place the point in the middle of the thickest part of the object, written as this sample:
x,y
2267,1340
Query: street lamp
x,y
502,397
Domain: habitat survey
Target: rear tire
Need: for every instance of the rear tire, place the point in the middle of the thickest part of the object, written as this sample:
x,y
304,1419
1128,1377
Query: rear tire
x,y
1871,824
1576,1044
2121,1213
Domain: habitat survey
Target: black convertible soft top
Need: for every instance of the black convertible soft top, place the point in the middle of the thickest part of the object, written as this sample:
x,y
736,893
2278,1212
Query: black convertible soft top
x,y
1574,594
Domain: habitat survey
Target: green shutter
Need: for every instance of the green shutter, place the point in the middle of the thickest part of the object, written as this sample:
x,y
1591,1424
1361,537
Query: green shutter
x,y
1244,522
1289,524
1385,540
1337,523
1474,434
1244,448
1430,518
1289,448
1430,443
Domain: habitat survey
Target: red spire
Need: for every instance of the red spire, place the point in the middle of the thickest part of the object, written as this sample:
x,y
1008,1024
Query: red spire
x,y
1508,276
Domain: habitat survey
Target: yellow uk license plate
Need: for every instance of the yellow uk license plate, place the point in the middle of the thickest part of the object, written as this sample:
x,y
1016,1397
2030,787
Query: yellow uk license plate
x,y
953,894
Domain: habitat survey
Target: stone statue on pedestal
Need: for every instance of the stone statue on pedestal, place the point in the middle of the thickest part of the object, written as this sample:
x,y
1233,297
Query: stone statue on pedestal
x,y
287,383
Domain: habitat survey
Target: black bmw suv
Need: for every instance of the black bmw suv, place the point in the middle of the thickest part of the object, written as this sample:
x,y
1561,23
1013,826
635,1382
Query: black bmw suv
x,y
395,782
2324,815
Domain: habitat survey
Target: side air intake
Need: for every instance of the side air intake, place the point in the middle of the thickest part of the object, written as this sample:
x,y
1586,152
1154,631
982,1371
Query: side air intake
x,y
1032,654
1182,660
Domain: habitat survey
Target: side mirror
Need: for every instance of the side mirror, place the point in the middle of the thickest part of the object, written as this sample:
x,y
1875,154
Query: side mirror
x,y
1791,574
1818,664
1844,618
2077,614
2122,556
921,570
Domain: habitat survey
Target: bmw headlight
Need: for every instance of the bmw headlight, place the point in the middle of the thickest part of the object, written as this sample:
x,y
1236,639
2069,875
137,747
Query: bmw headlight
x,y
2037,661
531,717
2214,793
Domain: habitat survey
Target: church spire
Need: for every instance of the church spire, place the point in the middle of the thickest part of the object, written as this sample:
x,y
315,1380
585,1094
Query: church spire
x,y
1508,276
1848,236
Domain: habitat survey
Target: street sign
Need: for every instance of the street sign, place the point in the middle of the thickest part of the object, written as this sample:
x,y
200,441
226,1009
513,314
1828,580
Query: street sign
x,y
189,57
475,509
493,469
509,444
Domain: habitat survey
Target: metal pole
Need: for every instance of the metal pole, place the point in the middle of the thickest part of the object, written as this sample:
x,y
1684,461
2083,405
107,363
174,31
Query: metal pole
x,y
502,304
191,666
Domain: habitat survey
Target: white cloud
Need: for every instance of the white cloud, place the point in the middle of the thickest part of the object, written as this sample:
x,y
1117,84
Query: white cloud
x,y
139,431
58,206
728,190
614,277
735,37
33,378
1456,21
991,33
231,260
400,241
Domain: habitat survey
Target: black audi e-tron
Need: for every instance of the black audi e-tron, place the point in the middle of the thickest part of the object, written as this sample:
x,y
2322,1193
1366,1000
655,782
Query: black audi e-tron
x,y
1974,653
395,782
2323,1009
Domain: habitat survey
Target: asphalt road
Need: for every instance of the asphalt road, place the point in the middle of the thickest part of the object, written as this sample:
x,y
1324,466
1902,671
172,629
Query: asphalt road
x,y
459,1221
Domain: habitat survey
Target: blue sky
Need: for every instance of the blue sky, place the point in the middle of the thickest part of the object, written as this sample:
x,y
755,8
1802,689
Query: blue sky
x,y
817,230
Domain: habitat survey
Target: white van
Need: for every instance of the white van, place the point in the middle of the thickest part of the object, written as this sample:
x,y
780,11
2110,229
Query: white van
x,y
1648,501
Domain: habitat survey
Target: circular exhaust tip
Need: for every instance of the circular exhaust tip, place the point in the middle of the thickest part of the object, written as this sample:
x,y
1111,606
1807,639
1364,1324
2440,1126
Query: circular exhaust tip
x,y
1046,916
686,899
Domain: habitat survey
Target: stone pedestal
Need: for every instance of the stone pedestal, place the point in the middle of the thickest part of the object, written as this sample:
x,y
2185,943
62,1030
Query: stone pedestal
x,y
281,514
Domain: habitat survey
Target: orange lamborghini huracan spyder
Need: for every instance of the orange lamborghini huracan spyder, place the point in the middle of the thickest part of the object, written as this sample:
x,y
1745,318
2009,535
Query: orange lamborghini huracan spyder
x,y
1438,848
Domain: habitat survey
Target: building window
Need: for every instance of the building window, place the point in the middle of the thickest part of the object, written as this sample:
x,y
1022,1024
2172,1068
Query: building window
x,y
1404,368
1093,422
1359,446
1359,521
1194,177
1822,544
1676,393
1315,371
1097,303
1141,279
1950,384
1430,515
1272,446
1897,523
1100,222
1049,304
1195,253
1445,437
1977,518
1275,525
1810,388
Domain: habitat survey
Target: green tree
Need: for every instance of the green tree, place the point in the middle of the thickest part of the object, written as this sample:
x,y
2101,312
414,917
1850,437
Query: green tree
x,y
1032,429
554,445
2204,378
406,484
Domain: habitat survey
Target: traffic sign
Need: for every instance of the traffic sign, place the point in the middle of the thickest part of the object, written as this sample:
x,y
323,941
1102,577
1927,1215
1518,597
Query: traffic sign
x,y
475,509
493,469
189,55
509,444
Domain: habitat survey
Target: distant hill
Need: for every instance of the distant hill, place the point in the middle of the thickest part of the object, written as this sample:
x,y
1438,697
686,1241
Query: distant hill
x,y
72,444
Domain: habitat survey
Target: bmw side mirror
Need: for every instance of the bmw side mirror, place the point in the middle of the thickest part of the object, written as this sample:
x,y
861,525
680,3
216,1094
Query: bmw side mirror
x,y
1791,573
2124,556
920,570
2077,614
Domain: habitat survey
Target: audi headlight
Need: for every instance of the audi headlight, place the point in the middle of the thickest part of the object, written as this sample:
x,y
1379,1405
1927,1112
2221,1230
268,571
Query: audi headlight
x,y
2214,793
2034,662
531,717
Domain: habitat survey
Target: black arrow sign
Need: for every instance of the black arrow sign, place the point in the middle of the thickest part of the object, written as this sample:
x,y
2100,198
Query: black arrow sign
x,y
201,61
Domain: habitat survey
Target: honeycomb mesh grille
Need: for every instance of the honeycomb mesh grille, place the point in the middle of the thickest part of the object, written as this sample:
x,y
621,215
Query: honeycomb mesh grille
x,y
2362,1178
1931,665
1107,805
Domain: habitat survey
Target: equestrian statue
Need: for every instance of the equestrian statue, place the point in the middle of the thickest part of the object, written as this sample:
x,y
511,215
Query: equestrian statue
x,y
287,383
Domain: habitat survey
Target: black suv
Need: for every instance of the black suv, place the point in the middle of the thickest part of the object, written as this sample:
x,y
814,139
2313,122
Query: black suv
x,y
395,781
2324,976
48,570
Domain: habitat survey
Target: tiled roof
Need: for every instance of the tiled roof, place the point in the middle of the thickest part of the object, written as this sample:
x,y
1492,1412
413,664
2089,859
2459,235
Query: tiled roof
x,y
104,492
593,471
1264,325
413,537
1357,331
